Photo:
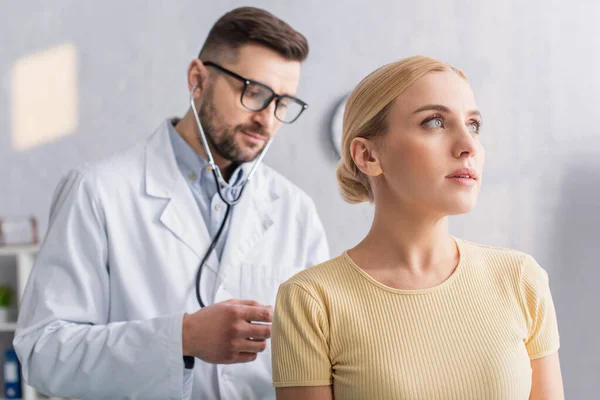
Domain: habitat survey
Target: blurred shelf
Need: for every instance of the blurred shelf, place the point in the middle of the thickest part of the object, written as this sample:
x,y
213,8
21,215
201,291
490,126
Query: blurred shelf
x,y
13,250
24,255
8,326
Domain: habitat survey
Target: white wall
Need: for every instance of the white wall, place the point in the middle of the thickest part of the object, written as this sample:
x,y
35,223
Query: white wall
x,y
533,66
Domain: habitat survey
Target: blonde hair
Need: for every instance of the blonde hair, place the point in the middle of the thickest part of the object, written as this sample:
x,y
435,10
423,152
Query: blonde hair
x,y
366,114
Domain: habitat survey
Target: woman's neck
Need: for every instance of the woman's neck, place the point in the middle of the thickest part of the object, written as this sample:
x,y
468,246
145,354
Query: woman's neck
x,y
407,239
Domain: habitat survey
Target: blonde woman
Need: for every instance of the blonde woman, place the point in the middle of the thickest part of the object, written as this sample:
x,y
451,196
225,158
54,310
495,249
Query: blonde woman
x,y
412,312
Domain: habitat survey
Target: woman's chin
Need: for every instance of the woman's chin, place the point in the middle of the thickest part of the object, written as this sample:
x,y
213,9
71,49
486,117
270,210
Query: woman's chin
x,y
464,206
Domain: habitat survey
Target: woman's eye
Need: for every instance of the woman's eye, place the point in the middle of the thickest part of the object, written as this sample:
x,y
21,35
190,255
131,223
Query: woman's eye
x,y
435,123
474,127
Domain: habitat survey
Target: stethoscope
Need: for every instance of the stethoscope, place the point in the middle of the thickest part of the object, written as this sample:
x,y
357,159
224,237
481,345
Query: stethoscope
x,y
221,185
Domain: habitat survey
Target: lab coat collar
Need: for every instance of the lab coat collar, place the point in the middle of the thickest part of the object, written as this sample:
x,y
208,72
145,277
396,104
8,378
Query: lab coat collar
x,y
181,215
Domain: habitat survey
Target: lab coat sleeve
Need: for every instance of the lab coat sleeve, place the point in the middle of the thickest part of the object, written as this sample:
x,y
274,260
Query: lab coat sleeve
x,y
317,245
63,339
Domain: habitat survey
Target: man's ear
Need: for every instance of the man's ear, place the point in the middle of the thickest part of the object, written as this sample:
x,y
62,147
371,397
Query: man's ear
x,y
197,76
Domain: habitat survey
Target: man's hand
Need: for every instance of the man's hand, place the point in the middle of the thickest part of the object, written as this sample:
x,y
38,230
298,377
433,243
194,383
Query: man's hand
x,y
226,333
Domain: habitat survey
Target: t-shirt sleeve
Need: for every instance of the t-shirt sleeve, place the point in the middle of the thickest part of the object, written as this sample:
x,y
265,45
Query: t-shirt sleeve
x,y
300,332
543,337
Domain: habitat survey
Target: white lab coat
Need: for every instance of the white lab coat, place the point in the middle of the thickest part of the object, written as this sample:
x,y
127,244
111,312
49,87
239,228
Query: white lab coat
x,y
102,312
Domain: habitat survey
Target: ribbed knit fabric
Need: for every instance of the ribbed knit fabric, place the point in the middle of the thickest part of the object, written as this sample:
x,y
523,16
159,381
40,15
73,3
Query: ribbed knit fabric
x,y
470,337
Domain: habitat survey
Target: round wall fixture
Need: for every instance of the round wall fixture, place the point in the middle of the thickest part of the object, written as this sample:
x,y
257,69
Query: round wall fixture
x,y
336,128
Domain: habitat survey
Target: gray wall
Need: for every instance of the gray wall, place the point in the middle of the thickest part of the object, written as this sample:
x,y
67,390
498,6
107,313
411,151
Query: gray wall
x,y
533,66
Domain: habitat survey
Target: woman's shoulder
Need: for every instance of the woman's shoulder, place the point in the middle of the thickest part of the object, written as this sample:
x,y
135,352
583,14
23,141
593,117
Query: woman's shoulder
x,y
321,276
501,259
491,251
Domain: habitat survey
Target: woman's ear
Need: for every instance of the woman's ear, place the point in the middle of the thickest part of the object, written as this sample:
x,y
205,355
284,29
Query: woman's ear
x,y
366,156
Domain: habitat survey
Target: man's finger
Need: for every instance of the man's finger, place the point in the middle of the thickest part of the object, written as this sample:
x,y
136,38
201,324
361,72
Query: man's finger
x,y
247,330
245,302
257,314
250,346
244,357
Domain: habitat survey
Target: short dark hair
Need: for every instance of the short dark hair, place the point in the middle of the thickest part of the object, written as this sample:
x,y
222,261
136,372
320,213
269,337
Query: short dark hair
x,y
250,25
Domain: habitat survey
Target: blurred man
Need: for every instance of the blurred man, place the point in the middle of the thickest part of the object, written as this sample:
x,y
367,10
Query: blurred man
x,y
144,287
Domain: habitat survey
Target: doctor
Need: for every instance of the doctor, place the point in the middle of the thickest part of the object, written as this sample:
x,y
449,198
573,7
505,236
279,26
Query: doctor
x,y
113,305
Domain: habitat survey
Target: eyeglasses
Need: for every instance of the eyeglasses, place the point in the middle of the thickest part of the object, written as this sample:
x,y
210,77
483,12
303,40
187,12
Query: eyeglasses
x,y
257,96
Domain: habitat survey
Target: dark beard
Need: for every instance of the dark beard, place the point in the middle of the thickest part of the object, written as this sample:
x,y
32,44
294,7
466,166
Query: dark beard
x,y
220,137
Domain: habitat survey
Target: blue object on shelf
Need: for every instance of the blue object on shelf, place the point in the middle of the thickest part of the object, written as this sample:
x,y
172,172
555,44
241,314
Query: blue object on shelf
x,y
12,375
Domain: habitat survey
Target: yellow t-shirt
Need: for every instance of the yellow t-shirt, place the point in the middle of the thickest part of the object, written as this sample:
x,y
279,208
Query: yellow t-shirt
x,y
470,337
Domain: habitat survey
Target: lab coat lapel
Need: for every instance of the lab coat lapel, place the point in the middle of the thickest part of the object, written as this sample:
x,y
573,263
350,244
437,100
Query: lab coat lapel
x,y
181,215
250,220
